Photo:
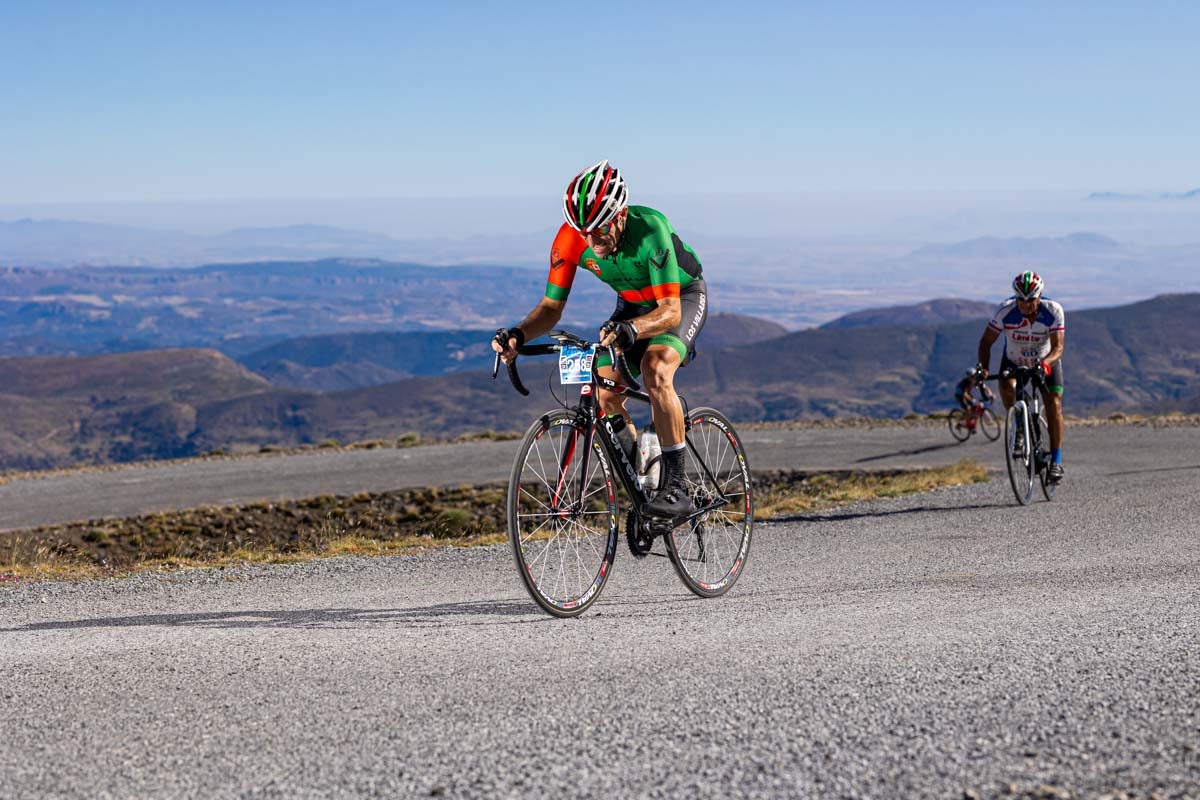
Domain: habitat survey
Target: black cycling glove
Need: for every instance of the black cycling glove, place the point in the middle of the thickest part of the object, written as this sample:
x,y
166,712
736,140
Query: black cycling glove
x,y
504,334
626,333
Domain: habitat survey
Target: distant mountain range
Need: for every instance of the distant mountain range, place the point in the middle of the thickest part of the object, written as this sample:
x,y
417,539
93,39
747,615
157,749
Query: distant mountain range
x,y
58,410
932,312
63,243
337,362
1194,194
1071,246
240,308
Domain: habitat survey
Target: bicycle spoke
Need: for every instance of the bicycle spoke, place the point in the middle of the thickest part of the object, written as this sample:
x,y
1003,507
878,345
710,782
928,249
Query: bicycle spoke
x,y
562,512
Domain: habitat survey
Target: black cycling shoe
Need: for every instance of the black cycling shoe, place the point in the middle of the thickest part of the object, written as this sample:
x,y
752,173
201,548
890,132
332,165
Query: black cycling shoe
x,y
1054,473
672,502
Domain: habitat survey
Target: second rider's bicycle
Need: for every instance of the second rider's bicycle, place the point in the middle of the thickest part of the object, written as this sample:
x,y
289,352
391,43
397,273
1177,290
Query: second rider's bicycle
x,y
978,417
564,511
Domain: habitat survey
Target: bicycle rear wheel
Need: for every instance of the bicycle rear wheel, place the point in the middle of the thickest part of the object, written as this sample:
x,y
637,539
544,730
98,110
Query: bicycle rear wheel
x,y
1048,488
958,425
562,514
989,423
1018,453
709,552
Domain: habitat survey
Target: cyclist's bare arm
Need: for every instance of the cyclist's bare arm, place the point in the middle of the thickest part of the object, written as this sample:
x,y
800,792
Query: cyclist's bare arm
x,y
662,319
1056,348
985,348
538,322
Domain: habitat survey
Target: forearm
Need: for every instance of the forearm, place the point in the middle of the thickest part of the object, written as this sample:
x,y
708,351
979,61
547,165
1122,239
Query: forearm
x,y
1056,350
541,320
984,355
662,319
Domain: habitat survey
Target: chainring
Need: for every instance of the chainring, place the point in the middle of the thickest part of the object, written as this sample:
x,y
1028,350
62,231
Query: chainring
x,y
640,539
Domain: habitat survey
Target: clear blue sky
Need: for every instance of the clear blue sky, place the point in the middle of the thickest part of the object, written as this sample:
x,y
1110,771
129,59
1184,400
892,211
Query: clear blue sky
x,y
165,101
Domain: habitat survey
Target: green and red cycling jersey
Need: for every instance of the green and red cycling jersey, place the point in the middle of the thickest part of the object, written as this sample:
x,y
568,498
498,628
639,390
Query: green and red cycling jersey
x,y
650,263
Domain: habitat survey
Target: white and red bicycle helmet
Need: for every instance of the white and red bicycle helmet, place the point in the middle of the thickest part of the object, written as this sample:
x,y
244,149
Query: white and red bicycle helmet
x,y
595,197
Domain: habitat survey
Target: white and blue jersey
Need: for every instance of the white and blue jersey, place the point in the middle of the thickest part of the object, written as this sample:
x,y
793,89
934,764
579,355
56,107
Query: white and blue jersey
x,y
1027,343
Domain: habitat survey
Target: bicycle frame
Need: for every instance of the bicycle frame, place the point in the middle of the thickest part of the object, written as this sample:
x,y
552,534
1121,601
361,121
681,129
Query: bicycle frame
x,y
592,418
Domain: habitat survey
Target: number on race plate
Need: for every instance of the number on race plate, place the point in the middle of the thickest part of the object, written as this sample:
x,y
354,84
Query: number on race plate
x,y
575,364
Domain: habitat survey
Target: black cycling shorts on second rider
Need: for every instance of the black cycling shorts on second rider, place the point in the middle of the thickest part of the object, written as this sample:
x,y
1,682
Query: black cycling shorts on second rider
x,y
1054,382
693,301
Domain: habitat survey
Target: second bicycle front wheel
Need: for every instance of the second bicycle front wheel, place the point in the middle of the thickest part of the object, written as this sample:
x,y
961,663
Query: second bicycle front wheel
x,y
710,550
562,514
989,424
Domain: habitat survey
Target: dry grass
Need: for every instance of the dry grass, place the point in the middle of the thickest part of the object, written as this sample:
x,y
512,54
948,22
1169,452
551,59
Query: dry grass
x,y
368,524
787,494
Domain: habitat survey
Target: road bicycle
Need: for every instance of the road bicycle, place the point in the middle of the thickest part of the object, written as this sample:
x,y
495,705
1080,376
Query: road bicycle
x,y
1027,435
978,416
564,509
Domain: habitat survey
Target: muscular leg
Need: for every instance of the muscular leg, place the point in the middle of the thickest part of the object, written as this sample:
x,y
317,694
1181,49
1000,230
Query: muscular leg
x,y
1008,393
1054,418
611,402
658,372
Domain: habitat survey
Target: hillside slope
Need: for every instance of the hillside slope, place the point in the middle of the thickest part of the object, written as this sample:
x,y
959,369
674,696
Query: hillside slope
x,y
1140,357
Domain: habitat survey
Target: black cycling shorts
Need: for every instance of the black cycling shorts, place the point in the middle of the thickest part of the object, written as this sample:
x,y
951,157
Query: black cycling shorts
x,y
1054,382
693,301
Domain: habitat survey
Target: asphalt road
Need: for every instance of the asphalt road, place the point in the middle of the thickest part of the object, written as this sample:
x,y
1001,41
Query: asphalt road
x,y
134,489
941,645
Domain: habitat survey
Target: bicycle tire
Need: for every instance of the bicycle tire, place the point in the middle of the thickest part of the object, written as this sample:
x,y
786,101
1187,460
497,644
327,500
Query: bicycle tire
x,y
1048,489
958,425
989,423
709,552
562,523
1020,467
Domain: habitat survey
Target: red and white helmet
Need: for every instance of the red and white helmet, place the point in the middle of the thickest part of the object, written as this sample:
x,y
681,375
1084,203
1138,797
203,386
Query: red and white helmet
x,y
1028,285
594,197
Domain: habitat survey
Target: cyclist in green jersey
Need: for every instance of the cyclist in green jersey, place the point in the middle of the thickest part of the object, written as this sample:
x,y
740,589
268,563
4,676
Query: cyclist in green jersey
x,y
662,304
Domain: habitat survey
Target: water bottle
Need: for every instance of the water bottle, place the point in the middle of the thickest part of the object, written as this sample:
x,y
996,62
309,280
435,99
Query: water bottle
x,y
649,460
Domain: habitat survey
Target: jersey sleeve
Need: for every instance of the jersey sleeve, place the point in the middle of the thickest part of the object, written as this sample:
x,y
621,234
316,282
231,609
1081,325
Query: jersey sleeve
x,y
564,260
664,266
1059,325
996,323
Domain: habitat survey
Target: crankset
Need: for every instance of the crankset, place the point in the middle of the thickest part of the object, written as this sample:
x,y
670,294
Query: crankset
x,y
640,539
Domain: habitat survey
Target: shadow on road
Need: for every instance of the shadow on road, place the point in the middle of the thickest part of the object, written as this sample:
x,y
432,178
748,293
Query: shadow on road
x,y
497,612
835,516
915,452
1154,469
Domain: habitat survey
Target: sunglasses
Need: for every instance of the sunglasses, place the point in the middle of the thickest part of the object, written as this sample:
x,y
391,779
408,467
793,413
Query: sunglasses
x,y
601,230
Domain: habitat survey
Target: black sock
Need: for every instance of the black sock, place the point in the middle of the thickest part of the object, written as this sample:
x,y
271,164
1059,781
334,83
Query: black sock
x,y
673,466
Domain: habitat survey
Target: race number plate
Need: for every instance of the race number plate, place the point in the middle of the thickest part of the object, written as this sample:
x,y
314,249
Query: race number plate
x,y
575,364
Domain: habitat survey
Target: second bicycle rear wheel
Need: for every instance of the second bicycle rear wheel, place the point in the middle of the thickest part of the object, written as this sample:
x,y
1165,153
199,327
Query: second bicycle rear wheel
x,y
1048,489
710,551
958,424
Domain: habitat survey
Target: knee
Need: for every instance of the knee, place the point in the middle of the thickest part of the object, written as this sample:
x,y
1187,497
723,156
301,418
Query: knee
x,y
658,371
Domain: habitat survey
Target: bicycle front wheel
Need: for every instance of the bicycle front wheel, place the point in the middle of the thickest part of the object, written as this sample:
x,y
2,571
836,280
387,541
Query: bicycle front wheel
x,y
958,425
1018,453
989,424
562,514
709,552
